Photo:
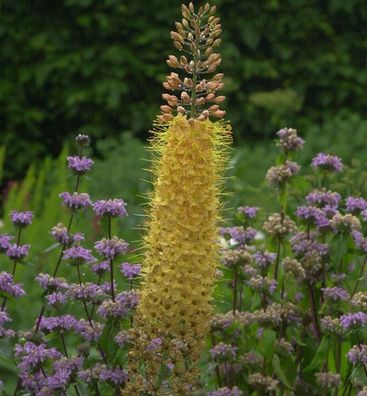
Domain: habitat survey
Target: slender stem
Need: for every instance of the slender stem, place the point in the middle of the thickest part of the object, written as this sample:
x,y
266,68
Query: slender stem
x,y
217,372
194,72
314,313
111,261
363,267
235,291
276,269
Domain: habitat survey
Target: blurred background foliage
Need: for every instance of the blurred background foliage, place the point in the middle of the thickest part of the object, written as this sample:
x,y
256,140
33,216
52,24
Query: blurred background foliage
x,y
96,66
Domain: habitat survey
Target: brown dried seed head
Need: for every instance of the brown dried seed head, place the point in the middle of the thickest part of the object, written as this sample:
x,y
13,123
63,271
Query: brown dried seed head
x,y
218,76
217,43
185,23
191,6
181,110
213,10
200,101
219,113
206,7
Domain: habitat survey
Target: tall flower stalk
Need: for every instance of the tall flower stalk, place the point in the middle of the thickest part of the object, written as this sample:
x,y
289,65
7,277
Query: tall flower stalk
x,y
182,233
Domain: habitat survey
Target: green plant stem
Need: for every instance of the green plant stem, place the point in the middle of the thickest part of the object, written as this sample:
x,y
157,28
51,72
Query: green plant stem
x,y
363,267
234,306
111,261
315,319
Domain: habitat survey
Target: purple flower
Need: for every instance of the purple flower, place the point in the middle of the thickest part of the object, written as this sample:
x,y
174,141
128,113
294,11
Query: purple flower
x,y
86,291
56,299
356,204
226,392
335,293
110,207
46,281
223,351
122,338
63,372
130,271
358,319
80,165
7,285
61,235
90,333
66,322
264,259
101,268
78,255
327,162
32,355
248,211
17,252
125,301
323,198
4,318
101,373
313,215
75,201
289,140
239,234
154,345
111,248
5,242
358,354
303,244
21,219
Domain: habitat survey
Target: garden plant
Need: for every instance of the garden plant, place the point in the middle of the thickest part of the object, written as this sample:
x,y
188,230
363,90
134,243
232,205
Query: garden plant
x,y
211,302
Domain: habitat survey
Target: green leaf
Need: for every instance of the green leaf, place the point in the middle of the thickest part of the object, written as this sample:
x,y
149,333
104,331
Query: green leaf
x,y
279,372
320,355
267,342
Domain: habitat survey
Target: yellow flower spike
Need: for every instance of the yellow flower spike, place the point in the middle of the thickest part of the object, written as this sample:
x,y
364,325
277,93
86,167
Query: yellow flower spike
x,y
181,242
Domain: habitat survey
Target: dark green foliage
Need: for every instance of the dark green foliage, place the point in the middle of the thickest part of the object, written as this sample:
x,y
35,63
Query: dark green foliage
x,y
95,66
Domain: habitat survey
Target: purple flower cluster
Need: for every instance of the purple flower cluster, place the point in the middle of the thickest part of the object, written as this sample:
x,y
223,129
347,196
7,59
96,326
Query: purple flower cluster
x,y
110,207
355,205
226,392
48,282
32,355
125,301
86,291
101,268
313,216
289,140
17,252
111,248
239,235
130,271
8,286
264,258
303,244
75,200
63,237
56,299
80,165
358,354
52,323
352,320
323,198
100,372
335,293
5,242
248,211
223,351
4,318
327,162
78,255
21,219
